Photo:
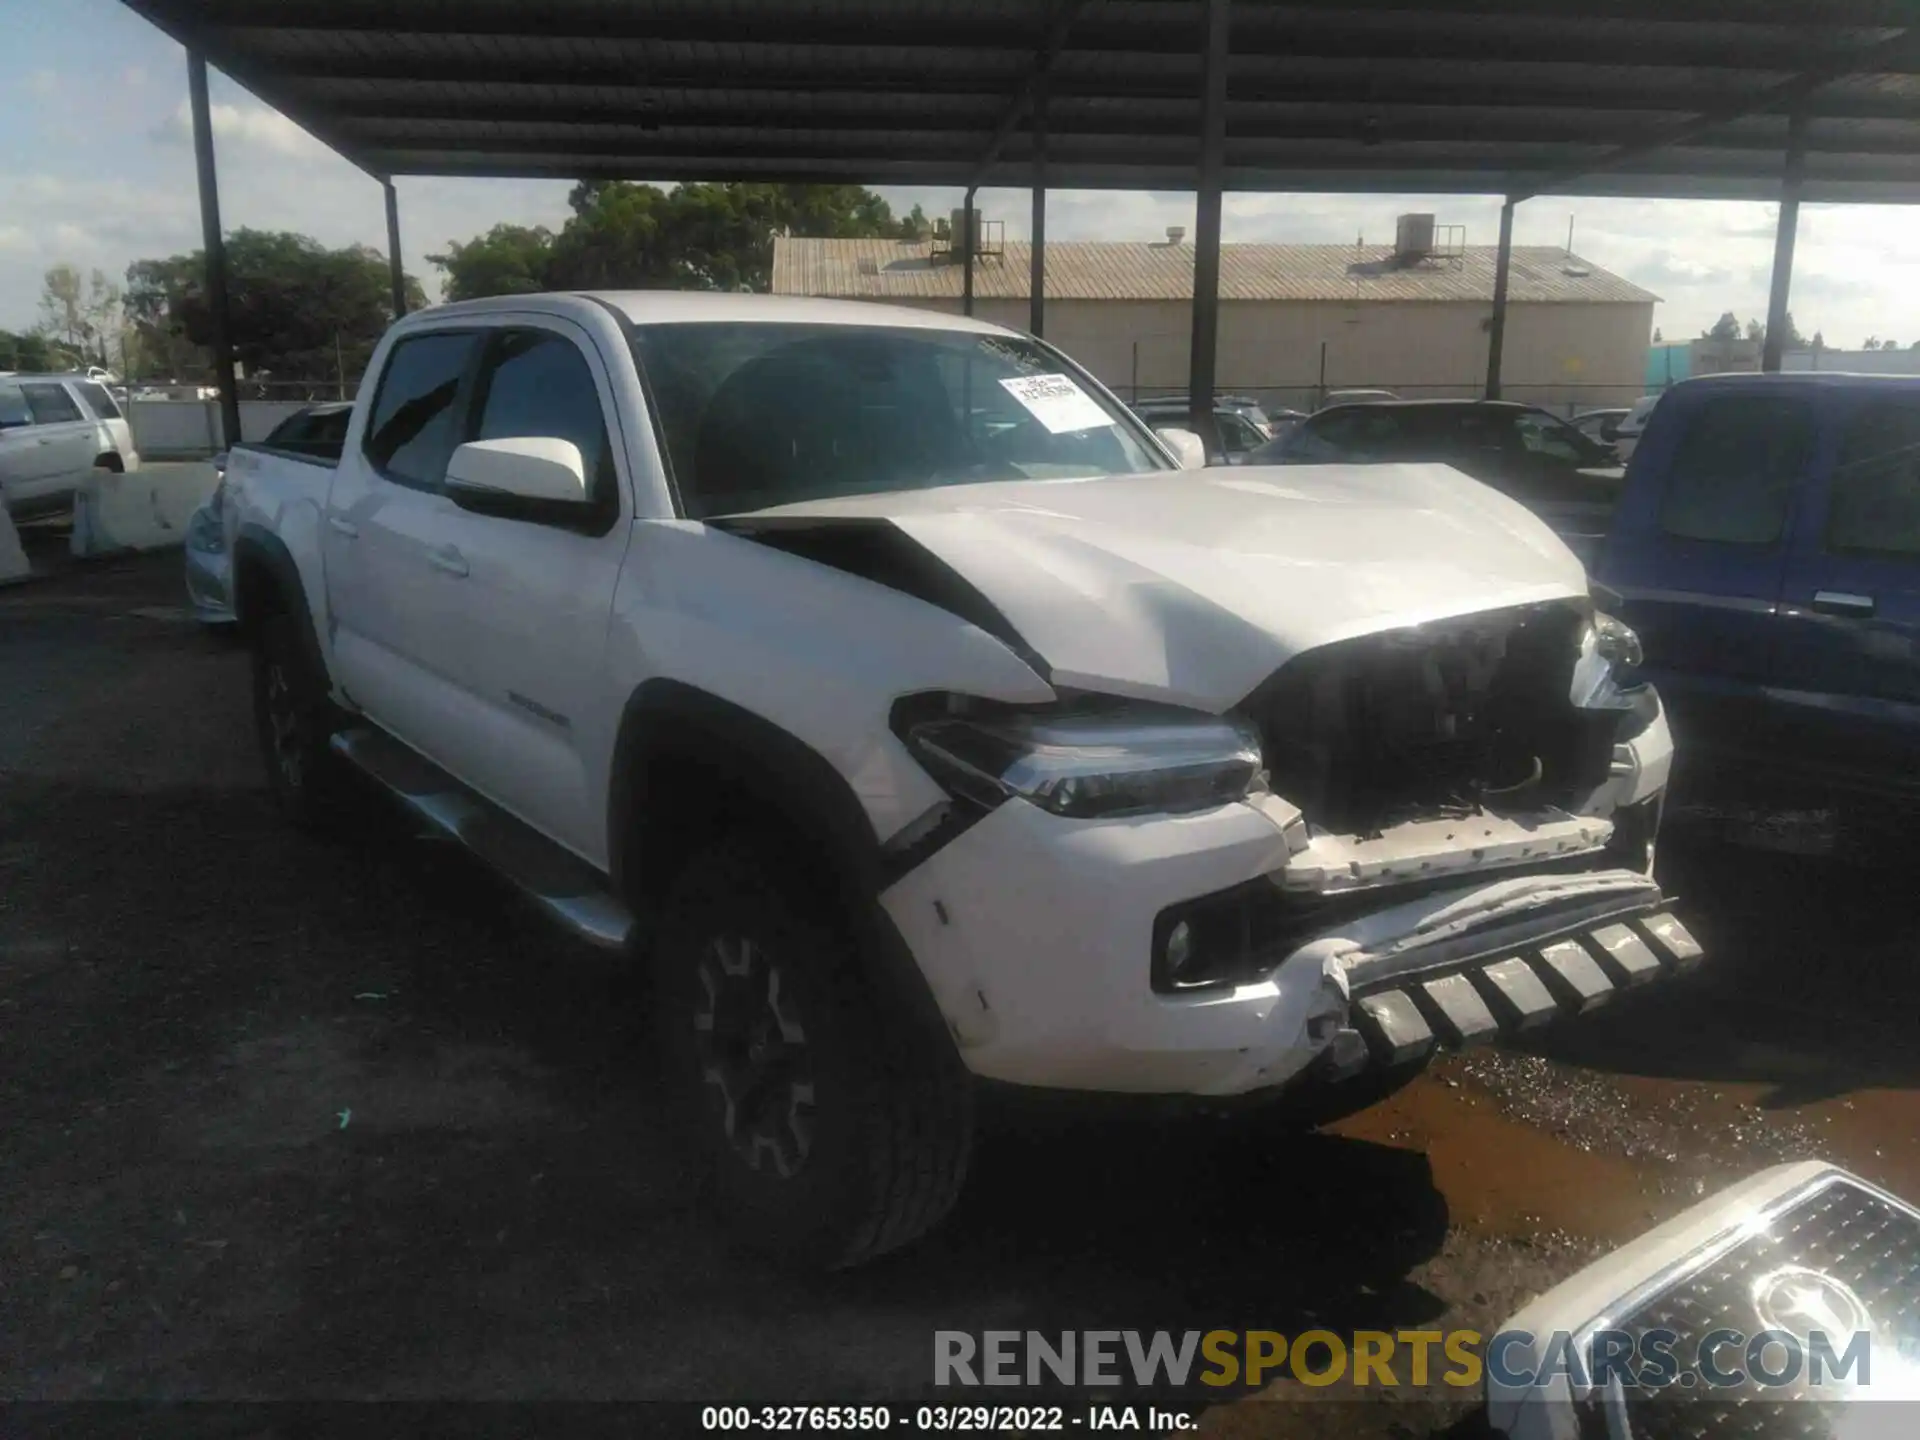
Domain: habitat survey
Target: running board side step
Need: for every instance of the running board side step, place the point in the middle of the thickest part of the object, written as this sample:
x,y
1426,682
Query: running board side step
x,y
559,882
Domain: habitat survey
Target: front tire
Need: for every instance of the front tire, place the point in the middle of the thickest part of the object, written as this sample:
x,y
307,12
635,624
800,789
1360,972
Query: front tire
x,y
834,1128
295,721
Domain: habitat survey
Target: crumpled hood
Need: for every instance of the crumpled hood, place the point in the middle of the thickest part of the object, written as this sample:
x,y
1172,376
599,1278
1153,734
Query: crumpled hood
x,y
1193,587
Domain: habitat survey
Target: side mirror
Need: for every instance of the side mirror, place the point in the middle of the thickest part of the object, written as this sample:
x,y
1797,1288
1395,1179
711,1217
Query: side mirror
x,y
532,468
1188,448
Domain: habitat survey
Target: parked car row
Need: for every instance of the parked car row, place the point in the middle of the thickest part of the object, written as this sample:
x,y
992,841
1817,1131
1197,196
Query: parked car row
x,y
55,430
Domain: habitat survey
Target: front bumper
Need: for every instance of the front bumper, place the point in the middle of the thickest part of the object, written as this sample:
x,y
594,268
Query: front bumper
x,y
1036,935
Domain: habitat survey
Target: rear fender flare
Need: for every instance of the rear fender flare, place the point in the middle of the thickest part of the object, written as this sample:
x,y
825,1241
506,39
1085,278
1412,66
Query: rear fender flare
x,y
258,551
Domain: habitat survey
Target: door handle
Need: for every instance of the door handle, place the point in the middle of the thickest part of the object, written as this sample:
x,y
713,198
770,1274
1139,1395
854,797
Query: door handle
x,y
343,527
448,560
1841,602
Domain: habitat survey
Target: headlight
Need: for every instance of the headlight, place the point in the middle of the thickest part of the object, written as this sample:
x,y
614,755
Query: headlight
x,y
1607,674
1130,760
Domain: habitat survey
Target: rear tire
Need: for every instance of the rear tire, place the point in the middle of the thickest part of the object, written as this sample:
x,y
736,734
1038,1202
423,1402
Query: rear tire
x,y
294,721
834,1128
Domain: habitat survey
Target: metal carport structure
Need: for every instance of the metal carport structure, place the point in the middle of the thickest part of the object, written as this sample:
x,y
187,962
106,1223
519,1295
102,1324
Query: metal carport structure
x,y
1775,100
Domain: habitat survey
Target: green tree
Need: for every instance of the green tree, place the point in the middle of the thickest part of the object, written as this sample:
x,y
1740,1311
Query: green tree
x,y
32,351
915,225
299,311
507,260
1725,328
623,235
81,314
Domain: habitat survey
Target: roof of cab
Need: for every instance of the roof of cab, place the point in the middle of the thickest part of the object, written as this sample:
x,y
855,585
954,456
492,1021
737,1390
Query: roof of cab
x,y
681,307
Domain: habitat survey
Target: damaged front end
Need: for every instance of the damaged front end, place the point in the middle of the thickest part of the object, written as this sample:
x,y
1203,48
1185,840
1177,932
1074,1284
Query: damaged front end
x,y
1471,809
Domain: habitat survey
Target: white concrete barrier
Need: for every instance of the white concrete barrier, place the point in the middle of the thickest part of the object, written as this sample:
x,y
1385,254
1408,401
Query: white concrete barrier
x,y
145,510
13,560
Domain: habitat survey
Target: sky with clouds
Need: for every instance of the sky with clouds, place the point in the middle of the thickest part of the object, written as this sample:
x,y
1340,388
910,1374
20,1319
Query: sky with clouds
x,y
99,172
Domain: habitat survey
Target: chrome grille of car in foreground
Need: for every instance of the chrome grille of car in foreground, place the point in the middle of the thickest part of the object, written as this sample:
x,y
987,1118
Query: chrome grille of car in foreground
x,y
1843,1245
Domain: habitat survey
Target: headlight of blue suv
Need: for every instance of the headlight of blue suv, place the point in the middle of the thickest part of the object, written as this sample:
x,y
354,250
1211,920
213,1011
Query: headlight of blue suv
x,y
1128,760
1607,674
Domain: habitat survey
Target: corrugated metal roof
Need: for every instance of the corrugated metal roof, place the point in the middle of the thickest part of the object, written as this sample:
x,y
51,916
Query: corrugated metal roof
x,y
1144,270
1500,97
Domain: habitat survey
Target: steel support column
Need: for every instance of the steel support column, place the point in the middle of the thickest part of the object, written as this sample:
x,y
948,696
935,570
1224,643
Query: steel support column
x,y
1206,229
1037,264
1497,329
1775,344
969,239
395,268
218,312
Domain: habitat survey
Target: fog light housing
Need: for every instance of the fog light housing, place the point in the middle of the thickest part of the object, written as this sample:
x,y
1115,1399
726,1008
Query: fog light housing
x,y
1178,950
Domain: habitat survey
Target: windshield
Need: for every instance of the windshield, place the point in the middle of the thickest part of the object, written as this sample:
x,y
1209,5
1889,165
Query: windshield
x,y
756,415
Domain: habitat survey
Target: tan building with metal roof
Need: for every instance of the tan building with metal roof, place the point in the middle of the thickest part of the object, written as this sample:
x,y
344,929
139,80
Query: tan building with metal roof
x,y
1294,319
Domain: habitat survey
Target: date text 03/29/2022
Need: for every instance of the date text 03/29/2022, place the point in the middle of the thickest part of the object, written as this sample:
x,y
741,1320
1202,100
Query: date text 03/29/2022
x,y
959,1419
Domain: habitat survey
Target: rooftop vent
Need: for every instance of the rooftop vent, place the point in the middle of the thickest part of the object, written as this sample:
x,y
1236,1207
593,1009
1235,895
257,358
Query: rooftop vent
x,y
950,236
1412,238
1176,233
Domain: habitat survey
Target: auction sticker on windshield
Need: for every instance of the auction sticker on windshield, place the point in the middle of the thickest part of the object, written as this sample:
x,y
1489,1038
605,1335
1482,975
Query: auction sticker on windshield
x,y
1057,403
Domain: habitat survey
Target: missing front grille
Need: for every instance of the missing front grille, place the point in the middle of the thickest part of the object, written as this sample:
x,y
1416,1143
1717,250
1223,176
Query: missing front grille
x,y
1435,719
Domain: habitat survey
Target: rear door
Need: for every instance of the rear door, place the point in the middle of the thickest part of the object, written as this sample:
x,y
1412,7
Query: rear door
x,y
385,542
62,429
519,622
27,467
1846,674
1699,550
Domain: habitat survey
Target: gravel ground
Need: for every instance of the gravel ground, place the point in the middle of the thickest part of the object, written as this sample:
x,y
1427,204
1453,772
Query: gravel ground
x,y
291,1119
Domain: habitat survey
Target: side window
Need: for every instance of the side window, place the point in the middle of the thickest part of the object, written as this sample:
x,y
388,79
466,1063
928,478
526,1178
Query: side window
x,y
537,383
1733,475
1237,434
1543,435
13,408
410,433
290,432
1876,485
98,400
327,434
50,404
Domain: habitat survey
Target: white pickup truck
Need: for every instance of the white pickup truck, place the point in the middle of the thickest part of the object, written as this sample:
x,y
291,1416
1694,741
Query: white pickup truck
x,y
893,691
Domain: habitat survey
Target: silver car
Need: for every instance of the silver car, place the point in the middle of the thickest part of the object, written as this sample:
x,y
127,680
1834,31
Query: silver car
x,y
316,432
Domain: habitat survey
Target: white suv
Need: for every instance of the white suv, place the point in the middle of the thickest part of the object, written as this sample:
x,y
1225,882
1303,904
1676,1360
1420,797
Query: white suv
x,y
54,431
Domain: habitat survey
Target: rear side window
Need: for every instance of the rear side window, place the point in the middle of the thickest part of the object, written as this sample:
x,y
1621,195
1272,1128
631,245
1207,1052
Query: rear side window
x,y
411,432
1237,433
1876,485
319,434
50,404
98,399
537,383
13,408
1733,475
